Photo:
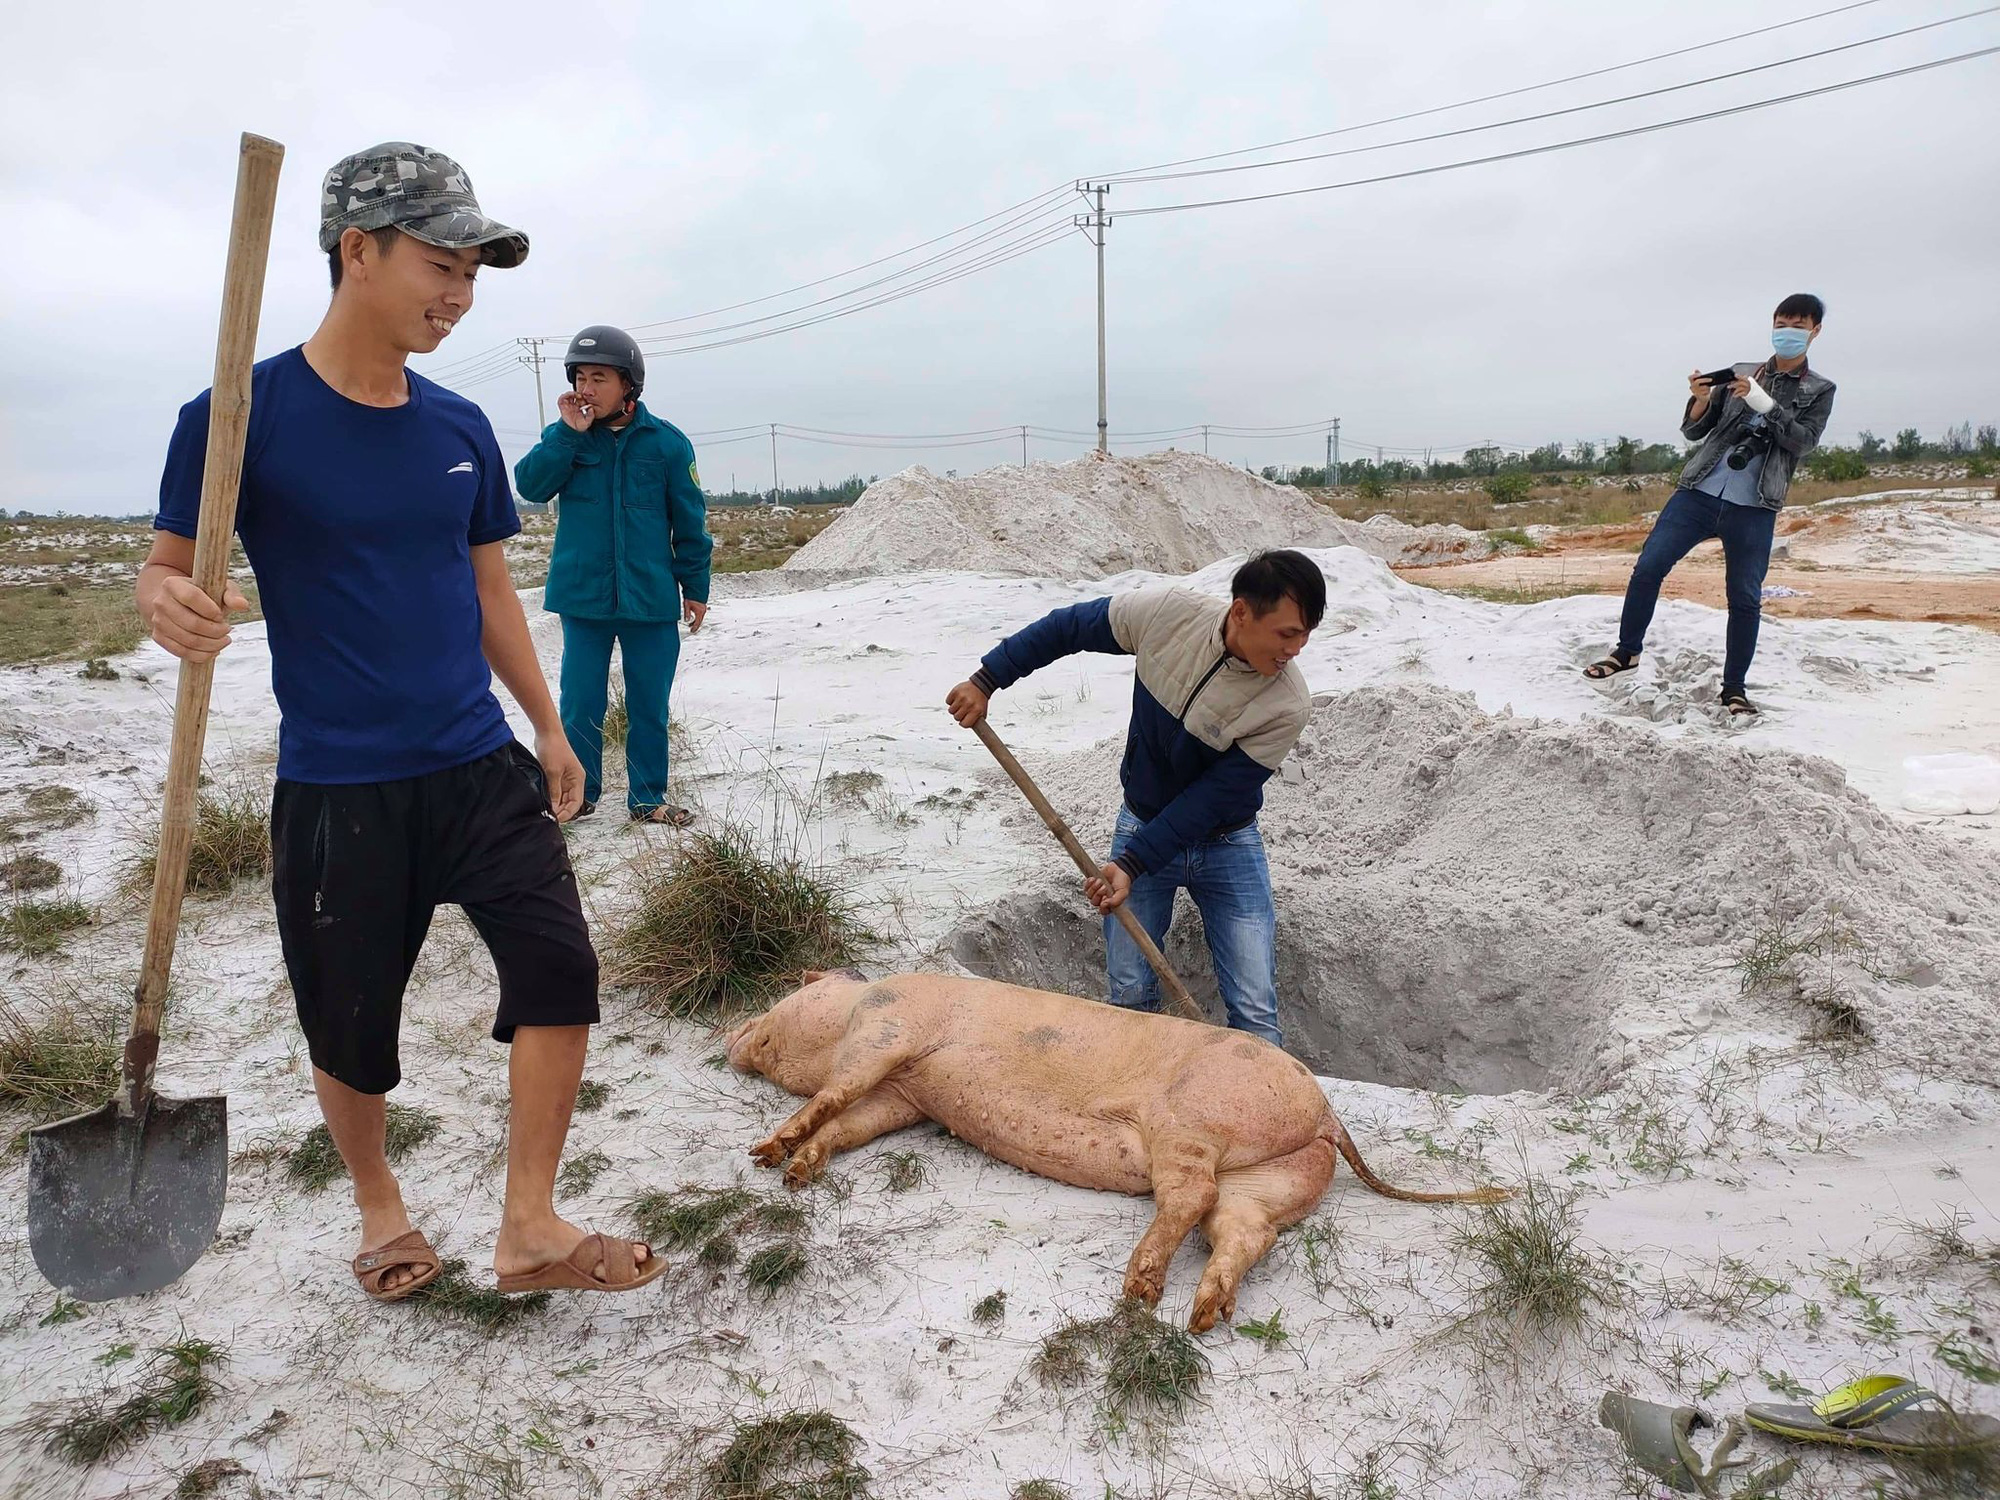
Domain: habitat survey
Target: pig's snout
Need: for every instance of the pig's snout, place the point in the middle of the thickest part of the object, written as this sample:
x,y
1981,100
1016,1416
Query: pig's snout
x,y
742,1047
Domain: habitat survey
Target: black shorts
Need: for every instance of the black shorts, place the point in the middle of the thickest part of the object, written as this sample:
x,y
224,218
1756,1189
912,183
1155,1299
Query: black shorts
x,y
359,870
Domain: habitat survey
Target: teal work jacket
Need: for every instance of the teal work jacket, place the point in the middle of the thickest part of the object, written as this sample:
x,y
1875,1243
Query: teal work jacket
x,y
631,522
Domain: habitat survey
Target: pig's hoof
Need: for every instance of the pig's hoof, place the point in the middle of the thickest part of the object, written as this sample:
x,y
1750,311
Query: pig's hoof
x,y
804,1169
1147,1285
768,1153
1210,1307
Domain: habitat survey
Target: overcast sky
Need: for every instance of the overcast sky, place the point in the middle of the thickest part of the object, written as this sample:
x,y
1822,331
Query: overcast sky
x,y
670,160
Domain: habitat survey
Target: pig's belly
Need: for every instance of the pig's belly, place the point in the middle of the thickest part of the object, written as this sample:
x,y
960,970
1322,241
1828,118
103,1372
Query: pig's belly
x,y
1036,1129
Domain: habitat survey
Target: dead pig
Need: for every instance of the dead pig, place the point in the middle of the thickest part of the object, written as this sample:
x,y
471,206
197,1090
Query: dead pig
x,y
1223,1129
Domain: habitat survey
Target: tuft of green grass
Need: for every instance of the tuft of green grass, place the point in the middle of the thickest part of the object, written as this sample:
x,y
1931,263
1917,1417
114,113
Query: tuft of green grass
x,y
43,809
206,1477
1039,1489
1510,538
720,1253
29,872
1523,593
679,1219
580,1173
716,926
1972,1361
454,1295
97,669
66,1309
1538,1270
617,718
60,1063
801,1455
37,928
776,1267
314,1164
232,842
989,1310
1270,1332
590,1096
1965,1473
1149,1368
176,1384
852,789
780,1216
905,1171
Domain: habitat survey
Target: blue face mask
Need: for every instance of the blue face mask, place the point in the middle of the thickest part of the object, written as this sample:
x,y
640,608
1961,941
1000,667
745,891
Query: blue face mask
x,y
1790,342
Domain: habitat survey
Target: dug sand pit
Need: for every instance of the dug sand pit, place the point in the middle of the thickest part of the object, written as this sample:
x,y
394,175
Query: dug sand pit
x,y
1094,517
1484,903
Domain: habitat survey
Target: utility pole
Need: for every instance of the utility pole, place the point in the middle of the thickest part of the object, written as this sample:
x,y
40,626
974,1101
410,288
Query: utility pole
x,y
1024,445
1204,440
1333,451
1094,224
774,463
533,360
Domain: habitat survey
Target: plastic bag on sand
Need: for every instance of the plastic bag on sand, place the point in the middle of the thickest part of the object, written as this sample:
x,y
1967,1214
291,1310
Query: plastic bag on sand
x,y
1954,783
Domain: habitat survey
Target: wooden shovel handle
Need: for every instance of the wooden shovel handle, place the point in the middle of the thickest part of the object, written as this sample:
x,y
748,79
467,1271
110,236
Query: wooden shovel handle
x,y
1169,981
228,422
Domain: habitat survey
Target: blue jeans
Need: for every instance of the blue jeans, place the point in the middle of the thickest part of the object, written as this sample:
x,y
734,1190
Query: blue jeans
x,y
652,651
1691,517
1231,886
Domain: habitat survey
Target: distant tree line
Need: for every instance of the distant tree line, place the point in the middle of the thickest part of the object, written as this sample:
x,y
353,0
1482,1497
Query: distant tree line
x,y
1558,463
846,492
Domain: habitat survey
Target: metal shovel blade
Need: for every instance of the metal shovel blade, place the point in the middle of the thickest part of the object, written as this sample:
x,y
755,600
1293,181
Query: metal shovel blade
x,y
120,1205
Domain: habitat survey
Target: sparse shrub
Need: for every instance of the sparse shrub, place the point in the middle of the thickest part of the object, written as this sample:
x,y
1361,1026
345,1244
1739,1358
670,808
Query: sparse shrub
x,y
716,926
1508,489
678,1220
452,1294
776,1267
1978,467
232,842
1149,1368
989,1310
176,1386
905,1171
590,1096
1270,1332
802,1455
29,872
59,1063
38,927
617,719
1511,537
314,1164
852,789
580,1173
720,1252
1370,487
206,1477
1836,465
1538,1271
1039,1489
97,669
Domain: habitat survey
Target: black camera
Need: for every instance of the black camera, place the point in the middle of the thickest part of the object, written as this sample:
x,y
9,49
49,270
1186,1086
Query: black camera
x,y
1753,446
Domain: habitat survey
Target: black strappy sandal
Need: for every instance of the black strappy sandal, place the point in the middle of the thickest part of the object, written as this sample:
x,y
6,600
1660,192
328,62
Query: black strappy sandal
x,y
1737,701
1611,666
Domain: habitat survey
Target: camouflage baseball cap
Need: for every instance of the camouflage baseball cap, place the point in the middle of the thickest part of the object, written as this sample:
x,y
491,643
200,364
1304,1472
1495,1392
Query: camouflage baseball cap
x,y
422,192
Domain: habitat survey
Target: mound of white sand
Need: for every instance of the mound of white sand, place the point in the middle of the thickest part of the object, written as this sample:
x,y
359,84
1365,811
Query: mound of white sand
x,y
1486,902
1094,517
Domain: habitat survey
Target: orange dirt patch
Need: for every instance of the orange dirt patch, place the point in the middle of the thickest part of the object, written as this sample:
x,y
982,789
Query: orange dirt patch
x,y
1828,593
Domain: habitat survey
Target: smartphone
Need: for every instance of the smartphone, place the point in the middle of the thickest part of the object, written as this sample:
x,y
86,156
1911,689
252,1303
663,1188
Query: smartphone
x,y
1720,378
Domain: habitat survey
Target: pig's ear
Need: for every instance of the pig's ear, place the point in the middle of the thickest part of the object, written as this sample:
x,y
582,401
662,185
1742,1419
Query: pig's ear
x,y
812,976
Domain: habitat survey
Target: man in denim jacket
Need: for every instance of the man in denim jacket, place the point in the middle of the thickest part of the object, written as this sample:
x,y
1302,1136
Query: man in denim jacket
x,y
1770,416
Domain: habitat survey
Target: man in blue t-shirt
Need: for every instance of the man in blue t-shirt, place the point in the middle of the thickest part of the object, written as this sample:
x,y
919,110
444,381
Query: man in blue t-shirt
x,y
374,505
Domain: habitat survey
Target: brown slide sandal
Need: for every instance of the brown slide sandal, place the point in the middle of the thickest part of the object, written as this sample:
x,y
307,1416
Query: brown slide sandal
x,y
573,1272
411,1250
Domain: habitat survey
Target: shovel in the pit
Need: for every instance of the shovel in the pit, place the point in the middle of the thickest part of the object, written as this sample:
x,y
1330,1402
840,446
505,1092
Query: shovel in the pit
x,y
121,1201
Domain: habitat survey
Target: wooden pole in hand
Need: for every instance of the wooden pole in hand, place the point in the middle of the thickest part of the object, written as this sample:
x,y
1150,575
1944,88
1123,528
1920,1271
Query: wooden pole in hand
x,y
215,532
1169,981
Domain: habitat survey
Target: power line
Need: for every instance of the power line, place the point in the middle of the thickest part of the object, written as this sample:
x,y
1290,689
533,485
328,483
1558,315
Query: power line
x,y
1439,109
1589,140
1030,222
1573,109
807,286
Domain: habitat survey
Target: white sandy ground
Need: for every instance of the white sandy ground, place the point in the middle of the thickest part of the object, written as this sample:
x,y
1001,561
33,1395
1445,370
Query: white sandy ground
x,y
1749,1261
